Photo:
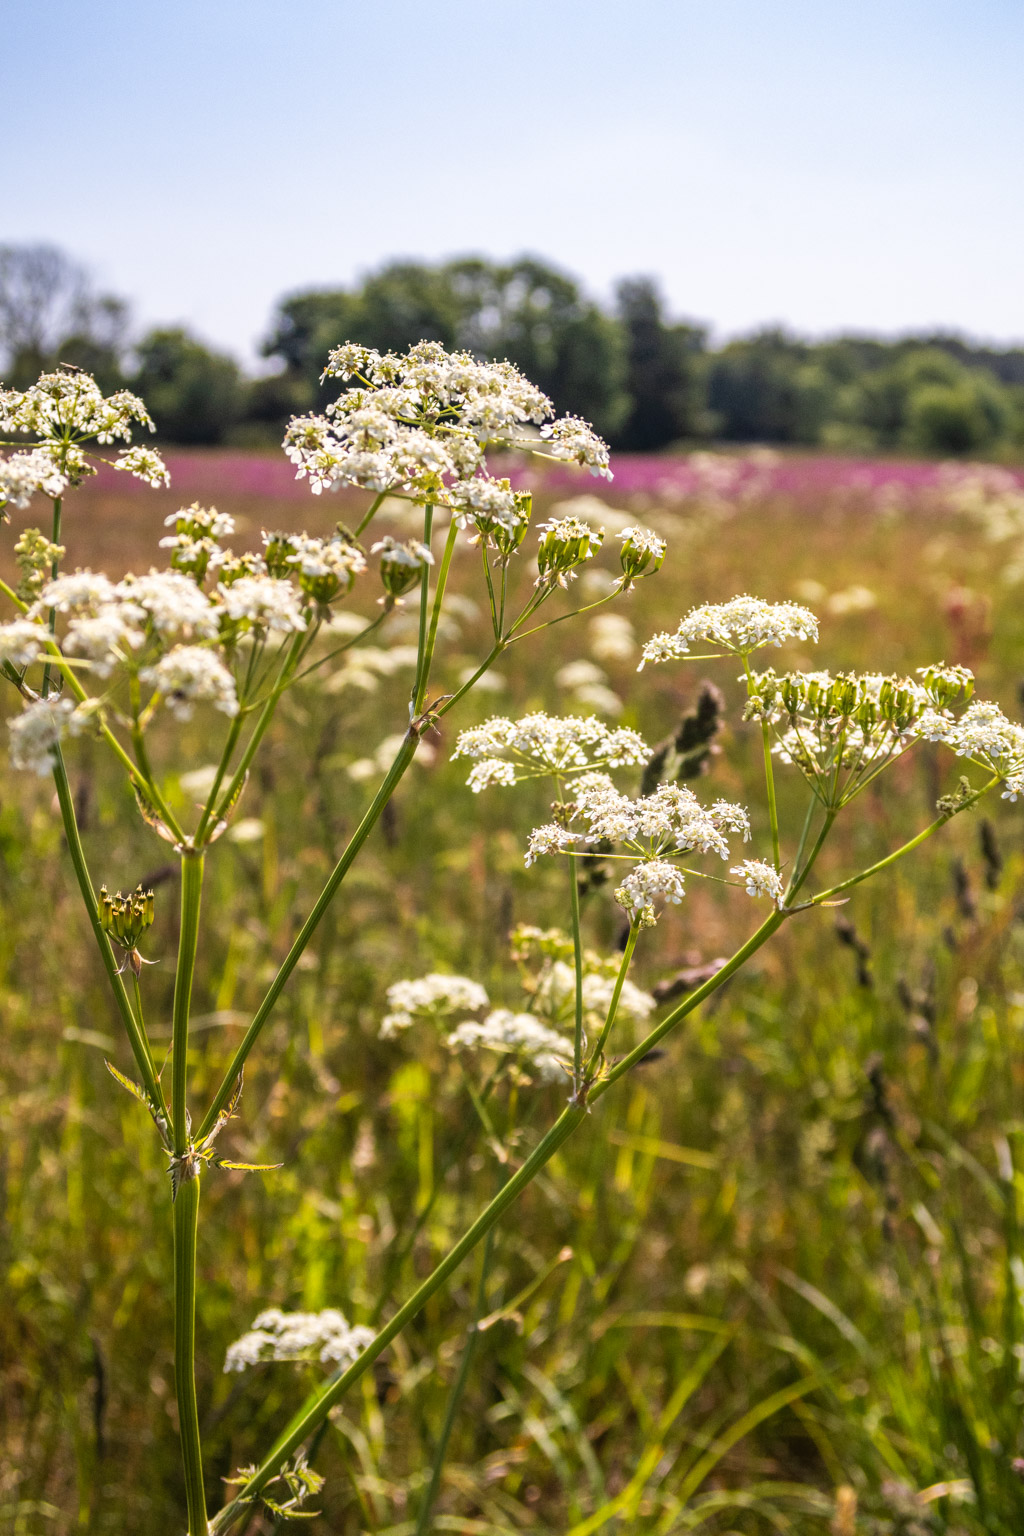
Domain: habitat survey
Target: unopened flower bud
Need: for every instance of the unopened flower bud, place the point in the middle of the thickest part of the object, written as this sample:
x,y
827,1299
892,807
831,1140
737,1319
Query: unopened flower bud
x,y
401,564
565,543
126,918
947,685
642,554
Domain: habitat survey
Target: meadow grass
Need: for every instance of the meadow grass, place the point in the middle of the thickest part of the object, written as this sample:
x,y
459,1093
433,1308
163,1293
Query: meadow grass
x,y
784,1260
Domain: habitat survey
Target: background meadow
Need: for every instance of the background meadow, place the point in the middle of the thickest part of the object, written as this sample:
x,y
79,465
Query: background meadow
x,y
775,1284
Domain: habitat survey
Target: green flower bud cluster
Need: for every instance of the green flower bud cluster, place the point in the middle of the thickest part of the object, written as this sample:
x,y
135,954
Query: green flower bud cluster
x,y
947,686
401,564
126,918
277,552
565,544
506,539
868,702
35,555
642,554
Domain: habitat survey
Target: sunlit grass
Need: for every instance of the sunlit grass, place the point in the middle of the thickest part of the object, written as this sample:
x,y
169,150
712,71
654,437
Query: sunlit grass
x,y
795,1262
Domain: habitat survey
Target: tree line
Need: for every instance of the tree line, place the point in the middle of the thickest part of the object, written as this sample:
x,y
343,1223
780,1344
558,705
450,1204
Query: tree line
x,y
648,382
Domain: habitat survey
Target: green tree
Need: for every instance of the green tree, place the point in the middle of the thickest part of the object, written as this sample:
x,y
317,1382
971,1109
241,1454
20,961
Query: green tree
x,y
524,311
194,394
665,372
767,388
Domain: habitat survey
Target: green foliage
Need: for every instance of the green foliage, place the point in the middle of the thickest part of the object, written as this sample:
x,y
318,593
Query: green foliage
x,y
193,393
784,1262
525,312
665,378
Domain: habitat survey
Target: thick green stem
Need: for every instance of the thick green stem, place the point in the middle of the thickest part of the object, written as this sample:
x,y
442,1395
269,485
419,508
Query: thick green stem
x,y
186,1220
419,687
362,832
577,949
316,1407
191,896
455,1396
133,1027
427,641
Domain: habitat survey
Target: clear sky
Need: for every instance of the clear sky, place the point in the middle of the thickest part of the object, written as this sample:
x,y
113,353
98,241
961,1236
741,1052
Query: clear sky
x,y
822,163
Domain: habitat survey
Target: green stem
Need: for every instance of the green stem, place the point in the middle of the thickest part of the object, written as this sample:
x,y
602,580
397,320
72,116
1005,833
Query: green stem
x,y
420,685
186,1219
133,1028
316,1407
577,949
427,645
365,521
761,936
574,614
191,896
769,778
230,743
769,774
915,842
54,572
362,832
627,956
800,874
458,1387
258,732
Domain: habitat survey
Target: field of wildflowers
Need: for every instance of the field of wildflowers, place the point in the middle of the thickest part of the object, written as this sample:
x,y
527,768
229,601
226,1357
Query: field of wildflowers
x,y
775,1282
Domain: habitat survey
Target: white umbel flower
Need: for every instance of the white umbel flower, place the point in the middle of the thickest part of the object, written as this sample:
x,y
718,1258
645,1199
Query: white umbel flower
x,y
654,881
78,589
738,627
541,744
265,602
24,474
21,642
759,879
519,1034
275,1335
189,674
105,637
172,601
38,730
430,997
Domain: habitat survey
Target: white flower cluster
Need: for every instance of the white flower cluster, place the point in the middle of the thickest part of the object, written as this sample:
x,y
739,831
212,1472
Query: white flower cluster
x,y
23,474
541,744
555,995
738,627
670,821
21,642
263,602
986,736
855,724
429,997
190,673
66,409
275,1335
418,424
519,1034
655,881
39,729
759,879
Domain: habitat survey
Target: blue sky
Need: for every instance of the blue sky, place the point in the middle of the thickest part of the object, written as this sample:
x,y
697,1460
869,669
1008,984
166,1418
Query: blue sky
x,y
812,162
